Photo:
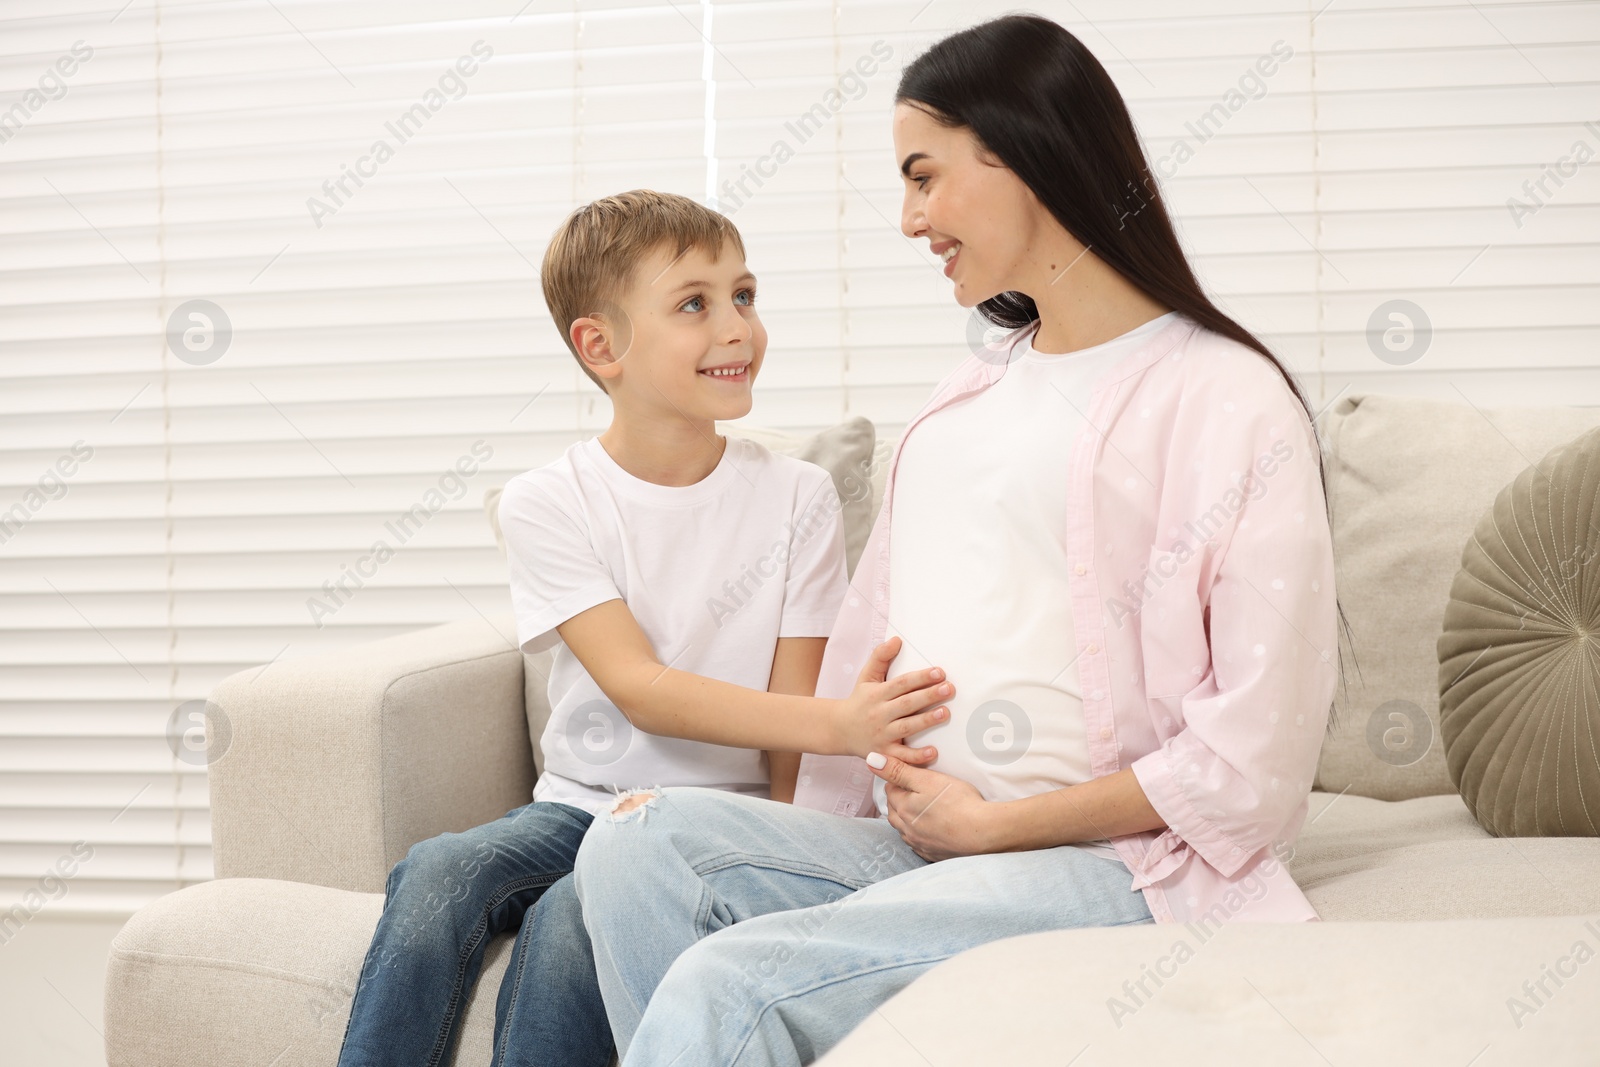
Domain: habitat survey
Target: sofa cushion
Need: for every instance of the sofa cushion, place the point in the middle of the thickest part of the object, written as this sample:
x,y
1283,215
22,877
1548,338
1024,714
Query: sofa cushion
x,y
1408,480
1519,686
1357,858
243,972
1257,993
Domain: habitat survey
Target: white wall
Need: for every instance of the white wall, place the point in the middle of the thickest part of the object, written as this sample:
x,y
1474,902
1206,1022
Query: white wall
x,y
380,336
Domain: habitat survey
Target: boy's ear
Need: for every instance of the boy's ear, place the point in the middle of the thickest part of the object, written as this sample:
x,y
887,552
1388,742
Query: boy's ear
x,y
602,339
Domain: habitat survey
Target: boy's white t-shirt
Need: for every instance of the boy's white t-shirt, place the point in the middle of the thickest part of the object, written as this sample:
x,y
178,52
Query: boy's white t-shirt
x,y
978,573
714,573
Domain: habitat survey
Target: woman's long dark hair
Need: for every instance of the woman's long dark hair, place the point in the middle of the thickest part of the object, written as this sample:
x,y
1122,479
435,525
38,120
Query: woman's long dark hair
x,y
1039,101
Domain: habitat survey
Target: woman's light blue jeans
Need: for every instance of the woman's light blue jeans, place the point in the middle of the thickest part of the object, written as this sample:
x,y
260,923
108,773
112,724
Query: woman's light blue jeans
x,y
732,930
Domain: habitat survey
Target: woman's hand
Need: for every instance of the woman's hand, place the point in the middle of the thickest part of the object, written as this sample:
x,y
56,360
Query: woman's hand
x,y
938,815
879,715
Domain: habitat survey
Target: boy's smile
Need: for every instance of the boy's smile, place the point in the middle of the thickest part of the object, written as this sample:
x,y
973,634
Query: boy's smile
x,y
737,373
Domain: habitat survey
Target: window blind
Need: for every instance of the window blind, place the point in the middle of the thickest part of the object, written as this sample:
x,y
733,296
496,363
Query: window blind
x,y
358,195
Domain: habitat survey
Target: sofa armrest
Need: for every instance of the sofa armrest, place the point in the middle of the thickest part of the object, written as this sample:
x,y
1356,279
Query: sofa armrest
x,y
328,768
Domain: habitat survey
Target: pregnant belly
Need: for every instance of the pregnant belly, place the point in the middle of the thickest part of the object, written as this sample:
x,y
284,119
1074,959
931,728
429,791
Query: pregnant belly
x,y
1011,740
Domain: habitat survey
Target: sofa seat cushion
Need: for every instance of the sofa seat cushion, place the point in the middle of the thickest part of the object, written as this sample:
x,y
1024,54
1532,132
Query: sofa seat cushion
x,y
1427,858
1250,993
243,972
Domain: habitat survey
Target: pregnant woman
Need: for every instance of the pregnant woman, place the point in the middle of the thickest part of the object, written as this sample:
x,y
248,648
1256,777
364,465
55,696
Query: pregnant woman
x,y
1109,527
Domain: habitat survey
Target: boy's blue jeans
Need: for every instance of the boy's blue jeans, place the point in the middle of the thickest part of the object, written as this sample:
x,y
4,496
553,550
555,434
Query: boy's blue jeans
x,y
731,930
443,903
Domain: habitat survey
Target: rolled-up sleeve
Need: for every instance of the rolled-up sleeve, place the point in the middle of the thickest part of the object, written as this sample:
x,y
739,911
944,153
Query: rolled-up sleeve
x,y
1244,754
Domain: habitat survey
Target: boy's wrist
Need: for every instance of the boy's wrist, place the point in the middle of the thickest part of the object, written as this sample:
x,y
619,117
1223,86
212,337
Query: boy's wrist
x,y
838,741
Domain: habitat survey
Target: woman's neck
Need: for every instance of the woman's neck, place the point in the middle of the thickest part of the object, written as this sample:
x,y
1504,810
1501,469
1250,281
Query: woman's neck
x,y
1084,302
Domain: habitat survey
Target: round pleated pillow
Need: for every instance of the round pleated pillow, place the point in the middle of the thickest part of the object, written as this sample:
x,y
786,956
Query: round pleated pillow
x,y
1519,658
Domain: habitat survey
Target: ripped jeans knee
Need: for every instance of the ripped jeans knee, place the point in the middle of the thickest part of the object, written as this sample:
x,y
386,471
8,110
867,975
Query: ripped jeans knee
x,y
632,800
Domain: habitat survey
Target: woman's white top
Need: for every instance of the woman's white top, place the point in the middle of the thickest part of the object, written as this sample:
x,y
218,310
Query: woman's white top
x,y
978,565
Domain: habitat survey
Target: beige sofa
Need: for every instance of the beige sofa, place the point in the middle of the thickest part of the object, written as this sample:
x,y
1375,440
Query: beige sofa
x,y
1441,943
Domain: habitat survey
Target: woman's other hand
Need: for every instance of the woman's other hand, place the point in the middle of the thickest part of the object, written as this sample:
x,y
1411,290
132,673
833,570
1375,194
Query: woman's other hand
x,y
938,815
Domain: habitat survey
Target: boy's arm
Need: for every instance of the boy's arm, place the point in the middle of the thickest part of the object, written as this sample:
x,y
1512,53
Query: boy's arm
x,y
660,700
795,666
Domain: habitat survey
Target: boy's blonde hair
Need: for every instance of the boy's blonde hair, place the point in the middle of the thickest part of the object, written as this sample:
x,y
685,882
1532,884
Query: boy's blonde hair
x,y
594,253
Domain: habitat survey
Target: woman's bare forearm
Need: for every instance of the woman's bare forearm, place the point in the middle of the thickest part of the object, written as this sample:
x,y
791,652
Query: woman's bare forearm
x,y
1108,806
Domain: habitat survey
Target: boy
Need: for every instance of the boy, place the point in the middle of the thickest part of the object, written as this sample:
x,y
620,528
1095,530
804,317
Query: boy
x,y
687,582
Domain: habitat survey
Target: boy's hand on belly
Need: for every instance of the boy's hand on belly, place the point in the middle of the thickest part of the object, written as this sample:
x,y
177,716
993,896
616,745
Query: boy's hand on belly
x,y
938,815
879,715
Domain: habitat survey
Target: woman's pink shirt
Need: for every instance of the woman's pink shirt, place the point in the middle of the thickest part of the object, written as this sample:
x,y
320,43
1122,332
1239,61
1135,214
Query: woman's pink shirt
x,y
1203,604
